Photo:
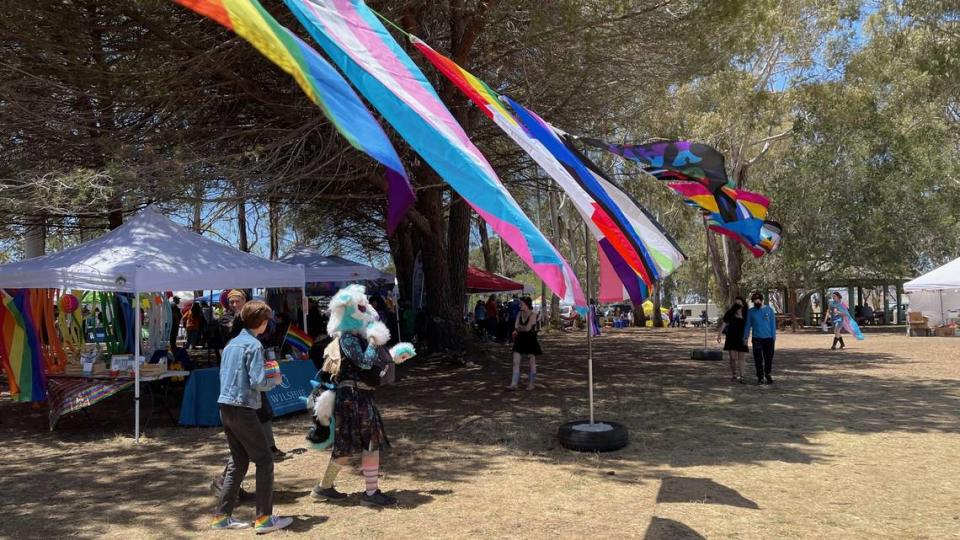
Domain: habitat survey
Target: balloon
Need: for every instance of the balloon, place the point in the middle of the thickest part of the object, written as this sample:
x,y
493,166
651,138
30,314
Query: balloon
x,y
69,303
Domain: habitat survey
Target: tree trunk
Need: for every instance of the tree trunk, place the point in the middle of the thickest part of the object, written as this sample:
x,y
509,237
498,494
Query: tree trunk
x,y
555,225
488,264
198,208
402,251
242,217
115,212
35,237
273,210
639,317
655,298
458,238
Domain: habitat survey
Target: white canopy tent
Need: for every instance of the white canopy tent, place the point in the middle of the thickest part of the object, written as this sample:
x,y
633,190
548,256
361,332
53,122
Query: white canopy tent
x,y
332,269
149,253
936,294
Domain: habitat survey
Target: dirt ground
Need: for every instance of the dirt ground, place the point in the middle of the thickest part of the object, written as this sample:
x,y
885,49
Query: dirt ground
x,y
863,443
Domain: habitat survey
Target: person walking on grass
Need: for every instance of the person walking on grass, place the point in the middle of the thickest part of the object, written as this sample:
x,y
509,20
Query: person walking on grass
x,y
243,375
525,342
841,319
762,321
732,325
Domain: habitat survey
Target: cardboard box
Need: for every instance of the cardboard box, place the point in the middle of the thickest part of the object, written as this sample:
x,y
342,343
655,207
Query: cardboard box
x,y
945,331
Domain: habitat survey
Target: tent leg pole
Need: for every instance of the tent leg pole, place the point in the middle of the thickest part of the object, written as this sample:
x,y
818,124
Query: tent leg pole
x,y
136,369
303,306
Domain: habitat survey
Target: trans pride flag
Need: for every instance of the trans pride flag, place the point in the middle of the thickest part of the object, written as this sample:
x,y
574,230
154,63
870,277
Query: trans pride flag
x,y
322,84
379,68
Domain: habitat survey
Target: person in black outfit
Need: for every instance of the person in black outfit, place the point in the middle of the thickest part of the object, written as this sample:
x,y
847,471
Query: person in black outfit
x,y
525,343
734,321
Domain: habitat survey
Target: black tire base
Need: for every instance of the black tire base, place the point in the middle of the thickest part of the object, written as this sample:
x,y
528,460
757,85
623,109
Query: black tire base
x,y
593,441
706,354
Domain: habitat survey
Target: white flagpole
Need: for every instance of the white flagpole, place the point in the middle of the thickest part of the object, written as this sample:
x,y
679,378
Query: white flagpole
x,y
136,369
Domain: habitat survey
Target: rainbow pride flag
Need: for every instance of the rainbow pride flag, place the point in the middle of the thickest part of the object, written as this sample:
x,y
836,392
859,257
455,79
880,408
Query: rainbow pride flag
x,y
21,355
298,339
322,84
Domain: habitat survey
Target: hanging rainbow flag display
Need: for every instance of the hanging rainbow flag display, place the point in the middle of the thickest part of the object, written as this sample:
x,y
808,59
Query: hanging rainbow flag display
x,y
298,339
20,348
322,84
375,63
697,173
643,253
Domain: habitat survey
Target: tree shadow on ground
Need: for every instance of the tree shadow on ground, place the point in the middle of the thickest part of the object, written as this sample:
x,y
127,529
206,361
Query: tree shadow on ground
x,y
680,412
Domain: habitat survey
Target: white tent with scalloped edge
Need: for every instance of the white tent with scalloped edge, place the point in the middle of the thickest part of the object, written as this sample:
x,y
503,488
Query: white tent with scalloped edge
x,y
149,253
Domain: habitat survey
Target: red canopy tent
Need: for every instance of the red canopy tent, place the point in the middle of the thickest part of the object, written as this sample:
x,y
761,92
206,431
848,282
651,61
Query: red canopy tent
x,y
480,281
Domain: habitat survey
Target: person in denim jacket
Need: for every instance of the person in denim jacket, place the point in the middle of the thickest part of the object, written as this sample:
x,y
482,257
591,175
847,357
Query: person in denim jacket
x,y
243,376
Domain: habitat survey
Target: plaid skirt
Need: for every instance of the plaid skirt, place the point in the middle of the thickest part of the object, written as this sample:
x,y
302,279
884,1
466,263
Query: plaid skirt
x,y
359,426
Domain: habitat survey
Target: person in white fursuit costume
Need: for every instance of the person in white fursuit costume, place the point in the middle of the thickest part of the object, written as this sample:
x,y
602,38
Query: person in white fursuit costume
x,y
354,363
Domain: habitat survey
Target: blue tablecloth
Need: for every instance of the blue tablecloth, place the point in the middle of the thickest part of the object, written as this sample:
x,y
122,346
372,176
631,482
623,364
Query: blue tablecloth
x,y
199,406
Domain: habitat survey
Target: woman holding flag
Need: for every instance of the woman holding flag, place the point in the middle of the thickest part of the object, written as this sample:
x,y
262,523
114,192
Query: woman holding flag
x,y
841,319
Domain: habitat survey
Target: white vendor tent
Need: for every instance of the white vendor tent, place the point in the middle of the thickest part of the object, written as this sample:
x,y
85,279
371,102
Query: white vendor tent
x,y
149,253
936,294
332,269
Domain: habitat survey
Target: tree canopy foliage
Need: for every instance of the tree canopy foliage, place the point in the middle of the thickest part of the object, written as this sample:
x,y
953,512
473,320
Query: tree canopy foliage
x,y
846,114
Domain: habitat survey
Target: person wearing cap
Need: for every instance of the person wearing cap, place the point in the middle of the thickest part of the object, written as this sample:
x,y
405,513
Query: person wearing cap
x,y
762,321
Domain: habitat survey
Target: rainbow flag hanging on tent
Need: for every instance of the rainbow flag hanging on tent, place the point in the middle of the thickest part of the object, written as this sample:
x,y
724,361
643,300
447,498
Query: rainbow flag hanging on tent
x,y
379,68
697,173
322,84
298,339
21,354
642,251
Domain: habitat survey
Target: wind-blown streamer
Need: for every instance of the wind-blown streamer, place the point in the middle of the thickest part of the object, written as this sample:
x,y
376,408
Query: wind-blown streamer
x,y
607,221
378,67
322,84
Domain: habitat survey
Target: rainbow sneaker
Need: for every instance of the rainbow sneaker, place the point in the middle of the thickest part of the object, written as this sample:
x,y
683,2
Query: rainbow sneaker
x,y
224,523
265,524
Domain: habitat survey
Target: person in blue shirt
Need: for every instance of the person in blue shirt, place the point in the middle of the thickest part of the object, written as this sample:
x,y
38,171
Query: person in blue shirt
x,y
243,376
763,322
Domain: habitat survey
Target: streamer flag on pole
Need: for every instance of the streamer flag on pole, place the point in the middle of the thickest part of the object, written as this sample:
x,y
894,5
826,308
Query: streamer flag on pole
x,y
643,253
697,173
322,84
378,67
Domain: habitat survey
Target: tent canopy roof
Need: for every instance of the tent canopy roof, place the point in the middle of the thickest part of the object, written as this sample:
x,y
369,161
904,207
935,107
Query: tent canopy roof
x,y
481,281
943,278
149,253
331,268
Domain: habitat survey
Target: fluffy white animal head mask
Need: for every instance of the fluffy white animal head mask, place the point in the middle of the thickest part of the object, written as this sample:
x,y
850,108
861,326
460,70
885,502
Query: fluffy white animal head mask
x,y
350,312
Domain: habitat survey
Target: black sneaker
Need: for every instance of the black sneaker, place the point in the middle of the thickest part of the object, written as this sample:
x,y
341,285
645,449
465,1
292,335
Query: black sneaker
x,y
329,494
761,382
377,499
278,454
769,379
